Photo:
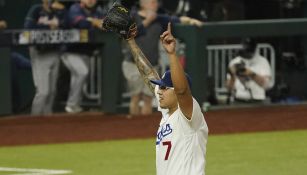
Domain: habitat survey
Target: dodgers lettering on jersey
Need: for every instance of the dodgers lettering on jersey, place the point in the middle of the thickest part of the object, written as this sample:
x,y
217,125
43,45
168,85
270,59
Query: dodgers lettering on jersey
x,y
163,133
181,143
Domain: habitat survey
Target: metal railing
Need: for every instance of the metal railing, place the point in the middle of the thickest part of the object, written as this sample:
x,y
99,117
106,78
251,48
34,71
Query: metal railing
x,y
92,89
219,57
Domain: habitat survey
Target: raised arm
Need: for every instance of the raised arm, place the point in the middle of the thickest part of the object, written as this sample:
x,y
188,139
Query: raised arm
x,y
118,20
180,82
145,68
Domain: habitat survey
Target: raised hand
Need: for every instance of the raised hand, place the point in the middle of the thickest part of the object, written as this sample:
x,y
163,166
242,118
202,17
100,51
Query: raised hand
x,y
168,40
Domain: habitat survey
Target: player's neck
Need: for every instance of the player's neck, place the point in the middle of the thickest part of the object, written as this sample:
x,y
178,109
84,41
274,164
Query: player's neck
x,y
172,110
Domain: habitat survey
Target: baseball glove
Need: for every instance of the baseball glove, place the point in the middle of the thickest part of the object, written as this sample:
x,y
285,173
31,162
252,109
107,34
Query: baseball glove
x,y
118,20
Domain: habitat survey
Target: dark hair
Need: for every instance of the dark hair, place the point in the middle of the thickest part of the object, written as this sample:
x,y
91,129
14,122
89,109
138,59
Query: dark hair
x,y
249,44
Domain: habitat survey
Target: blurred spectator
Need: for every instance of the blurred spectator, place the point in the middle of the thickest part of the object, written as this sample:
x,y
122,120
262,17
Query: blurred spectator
x,y
3,24
191,8
249,75
83,15
150,26
129,4
50,14
172,7
227,10
198,9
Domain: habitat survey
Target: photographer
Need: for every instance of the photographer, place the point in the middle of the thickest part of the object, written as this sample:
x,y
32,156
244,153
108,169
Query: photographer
x,y
249,75
85,14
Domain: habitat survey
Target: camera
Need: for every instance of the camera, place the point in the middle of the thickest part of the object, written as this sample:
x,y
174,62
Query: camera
x,y
240,68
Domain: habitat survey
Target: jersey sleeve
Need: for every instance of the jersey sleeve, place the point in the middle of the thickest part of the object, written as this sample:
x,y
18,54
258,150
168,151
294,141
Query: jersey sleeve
x,y
31,21
77,19
165,19
197,120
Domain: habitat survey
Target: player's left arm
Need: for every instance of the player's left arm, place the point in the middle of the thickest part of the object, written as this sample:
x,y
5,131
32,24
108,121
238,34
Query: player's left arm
x,y
180,83
118,19
145,68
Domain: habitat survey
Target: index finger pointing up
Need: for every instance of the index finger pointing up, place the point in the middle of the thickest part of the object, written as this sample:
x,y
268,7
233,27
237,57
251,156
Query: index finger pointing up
x,y
169,27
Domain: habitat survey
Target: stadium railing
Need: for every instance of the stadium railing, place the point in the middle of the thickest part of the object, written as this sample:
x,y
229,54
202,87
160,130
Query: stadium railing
x,y
220,55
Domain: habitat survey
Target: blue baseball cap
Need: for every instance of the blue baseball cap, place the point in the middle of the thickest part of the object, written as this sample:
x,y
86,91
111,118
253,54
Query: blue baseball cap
x,y
167,80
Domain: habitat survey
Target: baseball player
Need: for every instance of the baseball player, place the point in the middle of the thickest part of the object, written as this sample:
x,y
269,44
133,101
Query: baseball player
x,y
183,132
82,15
45,58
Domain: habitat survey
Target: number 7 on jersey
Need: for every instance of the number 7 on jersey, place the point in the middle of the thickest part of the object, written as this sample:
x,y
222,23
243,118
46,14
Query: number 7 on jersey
x,y
169,147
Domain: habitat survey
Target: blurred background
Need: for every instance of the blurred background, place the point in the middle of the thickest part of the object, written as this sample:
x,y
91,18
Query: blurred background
x,y
63,79
270,22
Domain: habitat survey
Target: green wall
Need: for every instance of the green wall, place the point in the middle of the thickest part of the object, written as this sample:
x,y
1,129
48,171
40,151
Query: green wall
x,y
5,82
14,12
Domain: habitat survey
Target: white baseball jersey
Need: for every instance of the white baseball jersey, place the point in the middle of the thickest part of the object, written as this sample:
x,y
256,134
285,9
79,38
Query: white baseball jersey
x,y
181,143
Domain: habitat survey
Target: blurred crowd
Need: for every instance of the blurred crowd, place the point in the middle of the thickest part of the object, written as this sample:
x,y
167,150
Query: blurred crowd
x,y
248,77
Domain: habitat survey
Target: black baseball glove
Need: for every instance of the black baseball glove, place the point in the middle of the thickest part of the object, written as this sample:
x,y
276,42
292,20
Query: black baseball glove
x,y
118,20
